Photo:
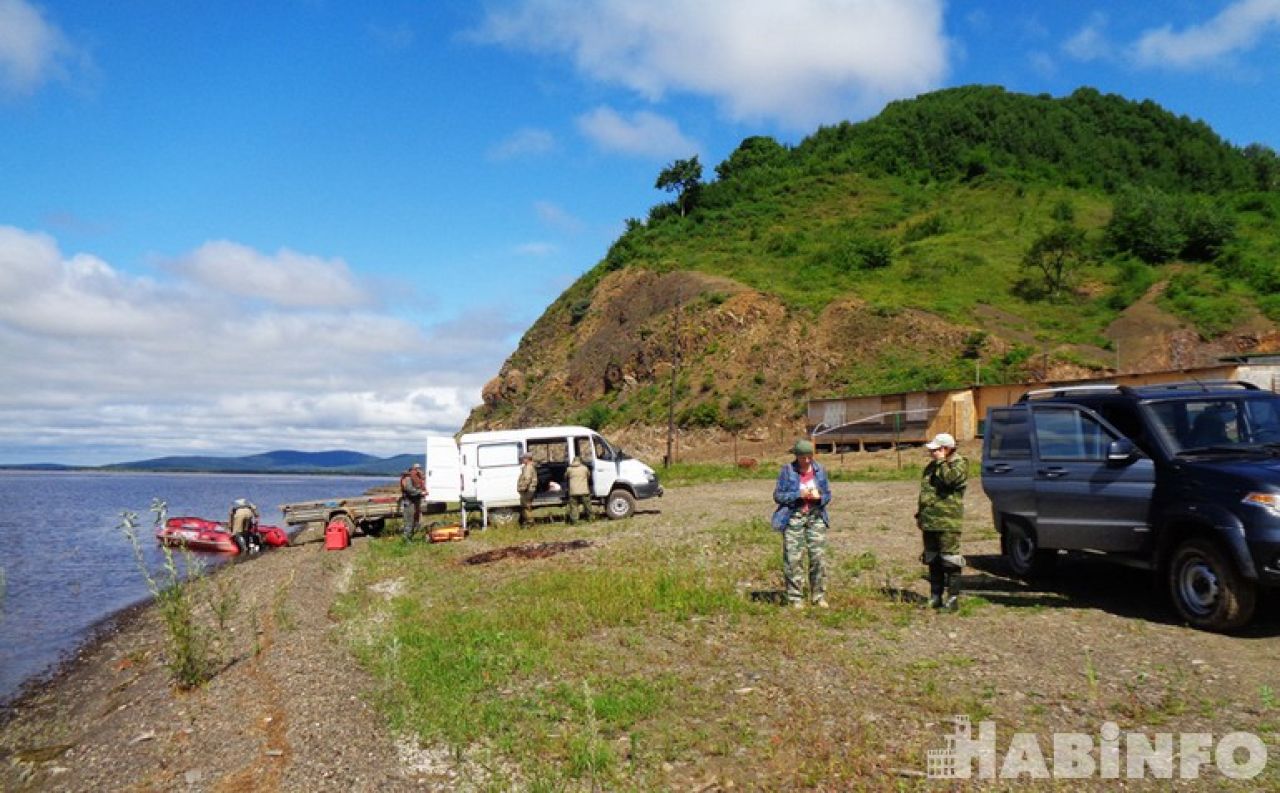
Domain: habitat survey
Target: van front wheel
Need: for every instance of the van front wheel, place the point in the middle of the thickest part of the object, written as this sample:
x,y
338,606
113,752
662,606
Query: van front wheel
x,y
1207,590
620,504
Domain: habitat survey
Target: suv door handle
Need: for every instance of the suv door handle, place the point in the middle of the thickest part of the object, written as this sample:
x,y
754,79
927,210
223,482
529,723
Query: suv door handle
x,y
1052,473
1000,468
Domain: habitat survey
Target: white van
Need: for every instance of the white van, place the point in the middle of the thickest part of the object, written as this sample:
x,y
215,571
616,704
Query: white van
x,y
481,469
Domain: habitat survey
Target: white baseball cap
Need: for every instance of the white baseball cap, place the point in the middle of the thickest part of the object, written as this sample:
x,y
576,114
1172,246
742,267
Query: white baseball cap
x,y
942,440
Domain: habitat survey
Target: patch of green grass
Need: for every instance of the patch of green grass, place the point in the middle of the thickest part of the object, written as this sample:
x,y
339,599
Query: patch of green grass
x,y
683,474
448,663
1267,697
972,604
855,566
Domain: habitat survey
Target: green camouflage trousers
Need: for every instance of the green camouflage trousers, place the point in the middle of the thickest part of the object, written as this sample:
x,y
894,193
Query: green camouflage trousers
x,y
944,545
805,530
580,505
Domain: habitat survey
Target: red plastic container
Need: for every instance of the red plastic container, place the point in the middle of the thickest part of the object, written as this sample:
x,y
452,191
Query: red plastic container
x,y
335,536
273,536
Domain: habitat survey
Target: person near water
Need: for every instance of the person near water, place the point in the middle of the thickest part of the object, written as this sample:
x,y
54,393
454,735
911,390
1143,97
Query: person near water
x,y
243,524
413,488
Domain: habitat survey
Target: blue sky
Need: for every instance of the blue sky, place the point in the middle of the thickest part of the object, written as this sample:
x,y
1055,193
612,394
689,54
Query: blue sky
x,y
231,227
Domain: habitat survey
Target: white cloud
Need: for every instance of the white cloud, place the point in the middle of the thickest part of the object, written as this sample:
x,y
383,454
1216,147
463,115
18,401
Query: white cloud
x,y
1089,43
526,142
1237,28
557,217
103,365
643,133
32,49
799,62
288,278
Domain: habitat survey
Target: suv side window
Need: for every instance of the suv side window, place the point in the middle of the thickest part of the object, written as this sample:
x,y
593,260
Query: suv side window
x,y
1010,439
1124,417
1069,434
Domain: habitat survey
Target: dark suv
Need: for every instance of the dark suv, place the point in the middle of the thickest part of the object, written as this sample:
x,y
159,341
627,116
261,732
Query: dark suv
x,y
1181,478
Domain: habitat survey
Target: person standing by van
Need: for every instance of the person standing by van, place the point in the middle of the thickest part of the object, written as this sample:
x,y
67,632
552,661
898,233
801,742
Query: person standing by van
x,y
579,480
526,486
413,486
802,494
940,516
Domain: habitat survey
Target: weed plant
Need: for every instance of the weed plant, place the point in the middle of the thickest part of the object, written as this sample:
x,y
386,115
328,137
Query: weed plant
x,y
193,647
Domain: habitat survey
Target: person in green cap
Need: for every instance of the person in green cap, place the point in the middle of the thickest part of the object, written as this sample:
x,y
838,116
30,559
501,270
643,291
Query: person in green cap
x,y
802,494
940,516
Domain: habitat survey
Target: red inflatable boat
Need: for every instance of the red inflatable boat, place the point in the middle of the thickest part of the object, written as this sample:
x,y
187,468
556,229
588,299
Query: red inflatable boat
x,y
199,534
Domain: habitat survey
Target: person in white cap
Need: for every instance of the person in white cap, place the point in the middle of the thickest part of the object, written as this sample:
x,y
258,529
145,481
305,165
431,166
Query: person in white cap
x,y
940,517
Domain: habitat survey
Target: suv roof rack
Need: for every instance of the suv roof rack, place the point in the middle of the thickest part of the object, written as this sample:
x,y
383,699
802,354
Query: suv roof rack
x,y
1067,390
1203,385
1148,388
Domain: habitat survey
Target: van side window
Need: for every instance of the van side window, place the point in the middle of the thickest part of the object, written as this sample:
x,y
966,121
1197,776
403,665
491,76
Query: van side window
x,y
1009,437
549,451
1069,434
603,452
492,455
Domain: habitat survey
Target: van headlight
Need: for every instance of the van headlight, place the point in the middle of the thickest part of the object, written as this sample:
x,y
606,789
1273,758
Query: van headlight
x,y
1269,501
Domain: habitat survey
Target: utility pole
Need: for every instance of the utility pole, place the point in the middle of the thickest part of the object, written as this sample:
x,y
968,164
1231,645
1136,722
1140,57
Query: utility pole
x,y
671,405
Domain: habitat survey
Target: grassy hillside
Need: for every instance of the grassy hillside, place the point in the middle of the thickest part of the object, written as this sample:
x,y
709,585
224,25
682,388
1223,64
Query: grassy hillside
x,y
1028,224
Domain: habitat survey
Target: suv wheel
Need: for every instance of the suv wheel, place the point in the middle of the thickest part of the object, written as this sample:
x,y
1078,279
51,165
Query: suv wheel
x,y
1207,590
1022,551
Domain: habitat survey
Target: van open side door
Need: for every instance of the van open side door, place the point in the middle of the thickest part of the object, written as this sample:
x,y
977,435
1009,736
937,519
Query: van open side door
x,y
444,470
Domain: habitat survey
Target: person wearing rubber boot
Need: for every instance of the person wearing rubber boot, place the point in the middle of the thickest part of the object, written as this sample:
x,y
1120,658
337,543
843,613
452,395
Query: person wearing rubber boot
x,y
526,486
802,494
579,480
243,523
413,487
940,516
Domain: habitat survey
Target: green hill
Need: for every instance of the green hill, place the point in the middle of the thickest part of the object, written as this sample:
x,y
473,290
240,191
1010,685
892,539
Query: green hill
x,y
968,230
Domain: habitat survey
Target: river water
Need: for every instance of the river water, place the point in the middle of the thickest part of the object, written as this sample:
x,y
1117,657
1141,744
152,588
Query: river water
x,y
65,565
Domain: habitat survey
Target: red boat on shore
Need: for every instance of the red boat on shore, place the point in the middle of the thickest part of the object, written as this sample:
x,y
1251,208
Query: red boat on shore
x,y
199,534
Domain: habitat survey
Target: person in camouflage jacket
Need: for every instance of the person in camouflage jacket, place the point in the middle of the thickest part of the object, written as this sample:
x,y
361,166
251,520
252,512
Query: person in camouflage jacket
x,y
940,515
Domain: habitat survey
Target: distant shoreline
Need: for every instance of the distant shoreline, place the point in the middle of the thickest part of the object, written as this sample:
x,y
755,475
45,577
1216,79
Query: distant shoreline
x,y
222,472
335,462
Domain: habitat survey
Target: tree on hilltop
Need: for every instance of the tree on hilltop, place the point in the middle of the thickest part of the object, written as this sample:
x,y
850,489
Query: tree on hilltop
x,y
683,177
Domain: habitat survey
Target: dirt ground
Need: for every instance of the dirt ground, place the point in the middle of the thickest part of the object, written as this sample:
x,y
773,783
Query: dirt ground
x,y
291,710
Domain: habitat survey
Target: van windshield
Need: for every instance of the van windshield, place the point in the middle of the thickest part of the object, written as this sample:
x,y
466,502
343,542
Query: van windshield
x,y
1216,424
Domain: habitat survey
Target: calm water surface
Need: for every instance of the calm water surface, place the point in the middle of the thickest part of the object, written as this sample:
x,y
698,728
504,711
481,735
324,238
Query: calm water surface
x,y
66,565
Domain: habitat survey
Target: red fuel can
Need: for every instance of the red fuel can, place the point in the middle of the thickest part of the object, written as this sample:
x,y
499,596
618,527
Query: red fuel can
x,y
335,536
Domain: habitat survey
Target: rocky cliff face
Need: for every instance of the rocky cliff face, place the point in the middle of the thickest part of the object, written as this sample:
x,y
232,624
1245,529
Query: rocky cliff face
x,y
746,364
